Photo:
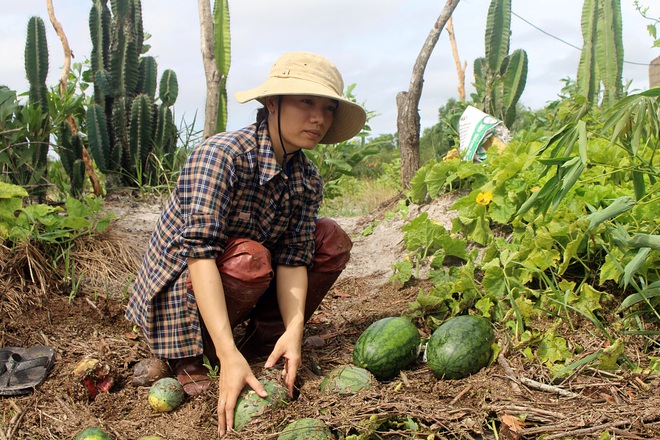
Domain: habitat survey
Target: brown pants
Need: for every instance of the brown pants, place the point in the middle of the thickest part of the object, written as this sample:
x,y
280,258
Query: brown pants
x,y
248,281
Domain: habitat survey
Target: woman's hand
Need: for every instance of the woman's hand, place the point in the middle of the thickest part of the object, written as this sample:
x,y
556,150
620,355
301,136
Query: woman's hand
x,y
289,347
235,372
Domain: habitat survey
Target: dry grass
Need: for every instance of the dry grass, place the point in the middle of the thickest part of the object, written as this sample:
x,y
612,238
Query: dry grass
x,y
107,261
104,263
360,197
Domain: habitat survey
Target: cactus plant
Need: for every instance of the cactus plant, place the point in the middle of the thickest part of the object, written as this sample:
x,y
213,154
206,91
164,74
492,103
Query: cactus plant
x,y
36,62
124,93
99,141
70,152
36,70
140,129
148,77
601,59
500,77
222,52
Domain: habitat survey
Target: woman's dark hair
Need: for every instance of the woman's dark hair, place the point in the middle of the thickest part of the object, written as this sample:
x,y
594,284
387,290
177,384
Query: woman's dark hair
x,y
262,114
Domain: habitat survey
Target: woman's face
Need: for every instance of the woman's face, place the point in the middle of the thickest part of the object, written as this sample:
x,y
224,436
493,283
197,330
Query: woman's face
x,y
304,120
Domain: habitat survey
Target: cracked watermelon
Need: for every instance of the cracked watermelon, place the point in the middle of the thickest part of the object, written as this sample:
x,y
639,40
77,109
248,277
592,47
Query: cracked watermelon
x,y
461,346
347,379
387,346
250,405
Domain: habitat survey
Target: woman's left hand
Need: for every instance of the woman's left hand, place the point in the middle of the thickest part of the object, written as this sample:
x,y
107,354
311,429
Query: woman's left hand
x,y
289,347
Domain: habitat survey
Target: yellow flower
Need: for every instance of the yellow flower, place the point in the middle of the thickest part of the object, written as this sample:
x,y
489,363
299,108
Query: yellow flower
x,y
536,188
485,198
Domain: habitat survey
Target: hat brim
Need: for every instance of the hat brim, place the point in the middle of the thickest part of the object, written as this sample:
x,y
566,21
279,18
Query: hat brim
x,y
349,117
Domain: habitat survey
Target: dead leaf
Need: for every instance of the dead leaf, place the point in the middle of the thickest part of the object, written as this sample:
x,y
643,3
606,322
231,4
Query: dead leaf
x,y
511,427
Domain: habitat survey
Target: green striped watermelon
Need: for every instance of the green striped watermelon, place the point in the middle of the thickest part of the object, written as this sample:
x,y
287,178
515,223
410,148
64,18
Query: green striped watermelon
x,y
250,405
307,429
92,433
461,346
387,346
347,379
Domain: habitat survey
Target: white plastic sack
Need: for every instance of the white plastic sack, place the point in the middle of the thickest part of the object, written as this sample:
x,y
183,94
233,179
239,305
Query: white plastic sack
x,y
475,127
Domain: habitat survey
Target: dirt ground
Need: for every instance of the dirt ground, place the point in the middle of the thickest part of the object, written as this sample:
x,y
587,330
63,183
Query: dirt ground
x,y
505,400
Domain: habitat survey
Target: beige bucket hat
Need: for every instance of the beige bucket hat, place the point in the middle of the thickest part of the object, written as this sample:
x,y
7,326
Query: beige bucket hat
x,y
304,73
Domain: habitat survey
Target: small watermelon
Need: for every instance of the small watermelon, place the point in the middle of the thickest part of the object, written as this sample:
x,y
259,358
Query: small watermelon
x,y
250,405
308,429
461,346
347,379
166,395
387,346
92,433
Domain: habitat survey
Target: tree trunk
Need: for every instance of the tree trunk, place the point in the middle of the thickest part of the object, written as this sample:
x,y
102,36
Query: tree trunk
x,y
210,69
460,67
66,69
408,102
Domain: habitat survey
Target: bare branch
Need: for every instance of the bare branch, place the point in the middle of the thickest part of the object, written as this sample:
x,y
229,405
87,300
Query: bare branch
x,y
66,70
211,72
408,102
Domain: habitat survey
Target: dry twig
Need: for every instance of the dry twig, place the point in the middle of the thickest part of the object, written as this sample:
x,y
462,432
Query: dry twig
x,y
460,395
547,388
509,373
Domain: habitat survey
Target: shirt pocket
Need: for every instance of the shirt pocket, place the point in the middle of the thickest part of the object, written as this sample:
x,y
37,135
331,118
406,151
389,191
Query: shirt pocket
x,y
241,224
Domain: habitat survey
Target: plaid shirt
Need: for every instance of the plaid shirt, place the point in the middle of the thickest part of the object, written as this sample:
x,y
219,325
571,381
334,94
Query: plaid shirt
x,y
230,186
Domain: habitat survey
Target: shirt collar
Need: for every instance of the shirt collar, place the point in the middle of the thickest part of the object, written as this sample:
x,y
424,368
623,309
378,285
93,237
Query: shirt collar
x,y
268,166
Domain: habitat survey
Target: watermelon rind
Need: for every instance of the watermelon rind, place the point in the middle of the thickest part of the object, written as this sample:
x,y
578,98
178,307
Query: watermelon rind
x,y
308,429
250,405
460,347
347,379
166,395
387,346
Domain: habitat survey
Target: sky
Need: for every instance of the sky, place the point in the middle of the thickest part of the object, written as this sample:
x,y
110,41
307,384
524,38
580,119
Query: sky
x,y
374,43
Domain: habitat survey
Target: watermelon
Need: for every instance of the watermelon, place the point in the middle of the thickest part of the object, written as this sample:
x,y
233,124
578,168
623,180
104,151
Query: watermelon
x,y
387,346
461,346
166,395
250,405
92,433
347,379
308,429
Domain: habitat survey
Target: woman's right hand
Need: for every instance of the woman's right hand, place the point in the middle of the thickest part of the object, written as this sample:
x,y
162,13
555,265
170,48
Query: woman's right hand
x,y
235,372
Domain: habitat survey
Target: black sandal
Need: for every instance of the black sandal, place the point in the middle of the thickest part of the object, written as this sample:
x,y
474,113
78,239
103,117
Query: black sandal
x,y
22,370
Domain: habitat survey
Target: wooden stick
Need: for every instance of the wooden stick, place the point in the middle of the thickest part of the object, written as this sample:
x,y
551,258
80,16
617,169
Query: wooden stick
x,y
540,411
460,395
15,421
582,431
460,68
623,434
547,388
509,373
91,303
66,69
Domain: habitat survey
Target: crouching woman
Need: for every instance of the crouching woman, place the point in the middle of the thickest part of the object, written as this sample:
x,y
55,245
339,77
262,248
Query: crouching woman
x,y
239,238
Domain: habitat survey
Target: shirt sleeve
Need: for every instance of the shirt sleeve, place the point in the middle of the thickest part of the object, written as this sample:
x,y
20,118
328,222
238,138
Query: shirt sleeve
x,y
296,247
205,187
